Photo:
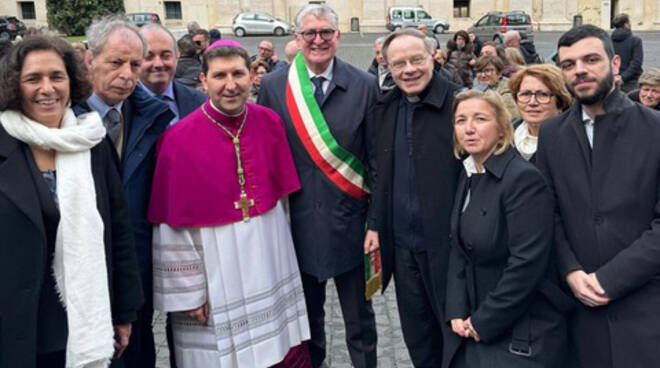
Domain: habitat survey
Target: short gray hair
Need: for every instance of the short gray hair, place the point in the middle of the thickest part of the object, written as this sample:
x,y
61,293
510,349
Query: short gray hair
x,y
380,40
319,11
430,45
161,28
98,33
650,77
510,35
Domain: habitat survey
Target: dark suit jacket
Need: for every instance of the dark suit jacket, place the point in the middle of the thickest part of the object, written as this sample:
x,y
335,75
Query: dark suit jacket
x,y
608,222
23,248
187,99
436,168
328,225
500,256
146,118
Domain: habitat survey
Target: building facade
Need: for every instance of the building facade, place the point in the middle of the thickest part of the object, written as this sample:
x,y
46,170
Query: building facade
x,y
547,15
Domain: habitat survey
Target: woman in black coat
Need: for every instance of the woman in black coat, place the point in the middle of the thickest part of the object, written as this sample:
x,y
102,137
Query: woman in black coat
x,y
67,260
500,294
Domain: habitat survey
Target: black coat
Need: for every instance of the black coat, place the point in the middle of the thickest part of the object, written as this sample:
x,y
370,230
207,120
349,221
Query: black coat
x,y
436,169
327,224
629,48
500,270
608,222
23,248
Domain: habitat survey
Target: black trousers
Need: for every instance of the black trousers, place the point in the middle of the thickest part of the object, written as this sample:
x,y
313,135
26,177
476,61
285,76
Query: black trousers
x,y
141,350
359,319
420,319
51,360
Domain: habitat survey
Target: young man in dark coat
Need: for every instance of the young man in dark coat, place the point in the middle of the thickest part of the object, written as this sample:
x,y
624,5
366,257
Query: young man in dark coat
x,y
415,175
607,228
134,121
629,48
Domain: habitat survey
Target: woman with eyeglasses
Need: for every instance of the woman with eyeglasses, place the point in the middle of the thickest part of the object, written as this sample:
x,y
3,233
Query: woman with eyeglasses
x,y
540,93
488,77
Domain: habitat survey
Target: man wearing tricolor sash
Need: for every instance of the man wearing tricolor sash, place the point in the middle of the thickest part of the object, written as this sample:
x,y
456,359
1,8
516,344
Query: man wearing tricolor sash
x,y
224,261
323,102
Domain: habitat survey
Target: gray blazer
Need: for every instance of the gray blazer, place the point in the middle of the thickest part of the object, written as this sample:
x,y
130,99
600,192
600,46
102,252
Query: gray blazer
x,y
328,225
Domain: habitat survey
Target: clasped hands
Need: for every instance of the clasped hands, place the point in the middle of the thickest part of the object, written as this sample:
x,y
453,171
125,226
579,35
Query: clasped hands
x,y
464,328
201,314
587,288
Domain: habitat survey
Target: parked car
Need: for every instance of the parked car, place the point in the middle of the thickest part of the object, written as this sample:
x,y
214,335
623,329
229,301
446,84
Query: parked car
x,y
412,16
140,19
20,26
8,30
259,23
494,24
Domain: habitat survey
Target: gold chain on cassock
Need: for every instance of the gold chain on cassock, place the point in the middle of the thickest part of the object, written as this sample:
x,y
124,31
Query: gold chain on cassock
x,y
244,203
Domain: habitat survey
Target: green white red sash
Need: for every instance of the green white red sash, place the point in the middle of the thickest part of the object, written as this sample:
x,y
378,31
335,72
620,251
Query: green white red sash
x,y
340,166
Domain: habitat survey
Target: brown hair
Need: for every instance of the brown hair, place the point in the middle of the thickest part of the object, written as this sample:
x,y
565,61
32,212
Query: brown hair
x,y
224,52
12,65
256,64
483,61
549,75
502,117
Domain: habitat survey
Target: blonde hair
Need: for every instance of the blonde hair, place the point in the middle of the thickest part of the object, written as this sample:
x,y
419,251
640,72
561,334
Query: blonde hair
x,y
514,56
549,75
502,118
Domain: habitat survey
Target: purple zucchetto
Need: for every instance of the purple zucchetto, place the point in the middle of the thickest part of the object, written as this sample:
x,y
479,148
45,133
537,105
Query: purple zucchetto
x,y
225,42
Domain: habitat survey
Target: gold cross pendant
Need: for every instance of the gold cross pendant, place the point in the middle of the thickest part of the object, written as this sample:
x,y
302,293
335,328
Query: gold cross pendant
x,y
244,205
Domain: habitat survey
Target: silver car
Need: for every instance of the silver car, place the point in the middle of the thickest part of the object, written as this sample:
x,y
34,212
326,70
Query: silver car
x,y
259,24
411,17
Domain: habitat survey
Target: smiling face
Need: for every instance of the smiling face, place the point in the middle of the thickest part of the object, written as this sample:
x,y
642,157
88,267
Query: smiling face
x,y
159,65
587,70
533,112
476,128
649,95
488,74
114,72
318,52
410,64
227,82
489,50
45,87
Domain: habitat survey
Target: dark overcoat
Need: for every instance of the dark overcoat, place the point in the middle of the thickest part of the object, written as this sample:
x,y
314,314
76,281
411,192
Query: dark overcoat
x,y
328,225
608,222
23,248
187,99
500,272
436,169
146,118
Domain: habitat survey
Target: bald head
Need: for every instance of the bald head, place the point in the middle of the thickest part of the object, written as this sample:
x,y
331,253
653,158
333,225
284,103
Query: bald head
x,y
291,50
265,51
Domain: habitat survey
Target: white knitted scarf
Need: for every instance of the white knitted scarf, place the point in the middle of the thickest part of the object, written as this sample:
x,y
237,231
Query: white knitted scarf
x,y
79,263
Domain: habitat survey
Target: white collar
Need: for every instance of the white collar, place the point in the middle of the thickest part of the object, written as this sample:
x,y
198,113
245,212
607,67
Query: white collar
x,y
525,142
224,113
586,118
470,166
327,73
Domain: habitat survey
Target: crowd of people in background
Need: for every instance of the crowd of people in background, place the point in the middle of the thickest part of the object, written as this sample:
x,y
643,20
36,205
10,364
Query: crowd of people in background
x,y
513,200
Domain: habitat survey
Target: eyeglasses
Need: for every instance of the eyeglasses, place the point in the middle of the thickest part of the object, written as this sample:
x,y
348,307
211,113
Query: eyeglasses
x,y
400,64
265,49
487,71
198,43
310,35
542,97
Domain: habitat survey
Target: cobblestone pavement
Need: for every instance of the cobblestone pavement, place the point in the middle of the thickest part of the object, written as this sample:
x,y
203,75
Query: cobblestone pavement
x,y
392,352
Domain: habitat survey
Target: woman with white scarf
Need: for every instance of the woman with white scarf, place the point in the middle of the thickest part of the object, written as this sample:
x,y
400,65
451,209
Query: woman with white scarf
x,y
70,286
540,93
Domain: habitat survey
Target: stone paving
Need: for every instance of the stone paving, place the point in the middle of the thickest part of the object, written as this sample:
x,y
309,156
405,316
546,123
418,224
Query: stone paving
x,y
392,352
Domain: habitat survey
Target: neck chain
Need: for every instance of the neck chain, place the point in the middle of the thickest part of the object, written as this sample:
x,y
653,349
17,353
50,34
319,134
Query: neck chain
x,y
244,203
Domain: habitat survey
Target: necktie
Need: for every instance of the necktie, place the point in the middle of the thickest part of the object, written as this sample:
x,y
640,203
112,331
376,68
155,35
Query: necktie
x,y
113,124
318,92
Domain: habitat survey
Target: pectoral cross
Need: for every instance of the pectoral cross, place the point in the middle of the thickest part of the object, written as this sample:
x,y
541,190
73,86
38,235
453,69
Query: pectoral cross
x,y
244,205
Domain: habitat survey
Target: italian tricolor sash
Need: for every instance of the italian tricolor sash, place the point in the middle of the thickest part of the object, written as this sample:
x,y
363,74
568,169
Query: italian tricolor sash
x,y
340,166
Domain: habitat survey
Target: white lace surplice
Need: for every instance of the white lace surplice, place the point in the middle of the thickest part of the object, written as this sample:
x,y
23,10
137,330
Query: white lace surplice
x,y
254,289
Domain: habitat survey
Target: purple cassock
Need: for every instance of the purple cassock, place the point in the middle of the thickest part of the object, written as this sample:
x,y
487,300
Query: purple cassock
x,y
195,183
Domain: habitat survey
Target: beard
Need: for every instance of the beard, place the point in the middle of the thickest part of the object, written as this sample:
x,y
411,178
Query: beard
x,y
599,95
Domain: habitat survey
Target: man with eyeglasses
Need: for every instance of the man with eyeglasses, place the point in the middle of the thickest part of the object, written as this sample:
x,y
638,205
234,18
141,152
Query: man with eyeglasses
x,y
416,175
200,38
323,102
267,54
